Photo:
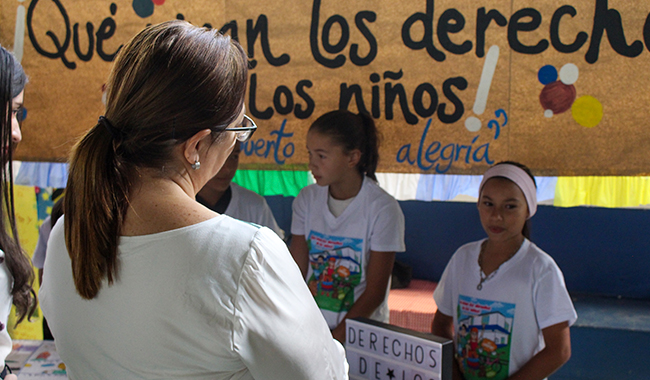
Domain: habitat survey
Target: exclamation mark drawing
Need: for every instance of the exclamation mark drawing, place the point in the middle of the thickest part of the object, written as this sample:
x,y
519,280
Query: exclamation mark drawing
x,y
19,32
472,123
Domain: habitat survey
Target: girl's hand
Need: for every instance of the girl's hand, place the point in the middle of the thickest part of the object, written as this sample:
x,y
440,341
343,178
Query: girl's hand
x,y
11,377
378,274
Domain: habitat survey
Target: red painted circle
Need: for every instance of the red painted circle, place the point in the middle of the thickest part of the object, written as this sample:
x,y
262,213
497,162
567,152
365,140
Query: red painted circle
x,y
557,97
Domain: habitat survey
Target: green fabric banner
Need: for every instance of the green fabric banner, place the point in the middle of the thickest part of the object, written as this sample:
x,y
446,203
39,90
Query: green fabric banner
x,y
273,182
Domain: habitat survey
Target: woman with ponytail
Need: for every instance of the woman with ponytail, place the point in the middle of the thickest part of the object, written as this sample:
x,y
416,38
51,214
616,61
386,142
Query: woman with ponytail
x,y
345,228
140,280
16,275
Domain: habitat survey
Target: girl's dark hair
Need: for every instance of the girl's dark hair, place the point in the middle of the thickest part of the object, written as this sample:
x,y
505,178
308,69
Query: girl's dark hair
x,y
526,229
18,78
169,82
57,207
12,83
352,132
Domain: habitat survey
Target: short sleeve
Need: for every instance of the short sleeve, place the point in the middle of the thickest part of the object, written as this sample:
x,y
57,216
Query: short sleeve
x,y
388,229
443,293
268,219
299,213
553,304
279,331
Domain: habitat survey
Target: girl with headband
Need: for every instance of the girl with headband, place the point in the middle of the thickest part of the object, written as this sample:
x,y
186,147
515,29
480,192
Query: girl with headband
x,y
508,293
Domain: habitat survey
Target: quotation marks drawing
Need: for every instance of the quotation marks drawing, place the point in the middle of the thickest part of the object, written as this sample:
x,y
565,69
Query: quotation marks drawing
x,y
144,8
559,95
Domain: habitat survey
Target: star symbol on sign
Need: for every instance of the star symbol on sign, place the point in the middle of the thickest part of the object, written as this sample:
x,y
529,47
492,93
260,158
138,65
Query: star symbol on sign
x,y
390,374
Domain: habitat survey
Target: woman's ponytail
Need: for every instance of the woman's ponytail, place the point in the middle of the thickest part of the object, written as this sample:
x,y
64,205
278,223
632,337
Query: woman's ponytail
x,y
169,82
94,207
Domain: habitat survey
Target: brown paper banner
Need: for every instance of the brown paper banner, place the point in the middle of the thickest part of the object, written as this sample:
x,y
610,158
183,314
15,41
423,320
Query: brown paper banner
x,y
454,86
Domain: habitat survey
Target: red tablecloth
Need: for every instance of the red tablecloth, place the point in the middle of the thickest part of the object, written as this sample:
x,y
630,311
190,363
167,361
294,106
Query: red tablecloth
x,y
413,307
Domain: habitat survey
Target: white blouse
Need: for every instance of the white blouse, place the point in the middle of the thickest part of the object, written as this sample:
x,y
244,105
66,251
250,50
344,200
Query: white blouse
x,y
221,299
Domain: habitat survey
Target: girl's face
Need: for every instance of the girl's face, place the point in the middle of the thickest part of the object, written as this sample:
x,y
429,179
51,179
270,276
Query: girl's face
x,y
328,162
16,105
503,210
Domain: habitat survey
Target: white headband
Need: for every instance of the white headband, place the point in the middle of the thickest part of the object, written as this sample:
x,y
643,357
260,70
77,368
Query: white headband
x,y
520,178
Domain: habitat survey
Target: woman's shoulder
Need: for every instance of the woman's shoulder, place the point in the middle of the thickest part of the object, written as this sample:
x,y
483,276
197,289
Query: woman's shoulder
x,y
265,240
225,228
58,231
220,233
240,235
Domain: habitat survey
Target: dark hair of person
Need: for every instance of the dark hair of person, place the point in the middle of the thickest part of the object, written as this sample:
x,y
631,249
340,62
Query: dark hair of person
x,y
12,83
169,82
526,229
57,207
352,131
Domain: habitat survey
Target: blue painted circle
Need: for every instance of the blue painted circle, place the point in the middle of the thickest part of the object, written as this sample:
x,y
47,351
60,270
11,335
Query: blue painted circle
x,y
547,74
143,8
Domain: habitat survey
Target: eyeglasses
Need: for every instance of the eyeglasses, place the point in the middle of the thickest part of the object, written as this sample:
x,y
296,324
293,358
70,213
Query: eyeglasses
x,y
245,130
20,113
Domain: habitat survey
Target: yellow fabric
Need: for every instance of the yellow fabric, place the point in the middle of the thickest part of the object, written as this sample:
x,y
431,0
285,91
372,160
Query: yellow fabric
x,y
27,223
602,191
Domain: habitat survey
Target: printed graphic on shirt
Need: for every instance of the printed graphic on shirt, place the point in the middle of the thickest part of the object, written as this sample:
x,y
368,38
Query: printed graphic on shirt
x,y
336,270
484,332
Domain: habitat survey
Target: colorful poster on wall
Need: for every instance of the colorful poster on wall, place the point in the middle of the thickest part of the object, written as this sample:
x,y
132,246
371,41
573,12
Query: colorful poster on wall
x,y
454,86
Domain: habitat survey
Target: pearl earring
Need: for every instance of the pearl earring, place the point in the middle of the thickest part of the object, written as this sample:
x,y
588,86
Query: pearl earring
x,y
196,165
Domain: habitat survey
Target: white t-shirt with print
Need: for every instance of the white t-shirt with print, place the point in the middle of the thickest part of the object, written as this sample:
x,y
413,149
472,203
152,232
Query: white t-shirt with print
x,y
339,247
499,328
220,299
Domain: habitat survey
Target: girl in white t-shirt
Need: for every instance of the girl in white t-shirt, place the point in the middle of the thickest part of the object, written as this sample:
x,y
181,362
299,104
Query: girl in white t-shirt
x,y
503,299
16,274
345,228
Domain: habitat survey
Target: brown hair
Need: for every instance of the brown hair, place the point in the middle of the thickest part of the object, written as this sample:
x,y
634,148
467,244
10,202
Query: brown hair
x,y
169,82
352,132
12,83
